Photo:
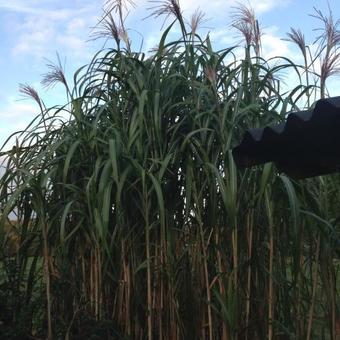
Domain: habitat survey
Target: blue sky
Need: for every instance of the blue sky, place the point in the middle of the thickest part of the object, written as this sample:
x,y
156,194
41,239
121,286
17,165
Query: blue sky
x,y
32,31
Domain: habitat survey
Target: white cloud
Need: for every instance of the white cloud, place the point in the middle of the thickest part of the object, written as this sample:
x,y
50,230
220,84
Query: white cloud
x,y
66,29
16,6
264,6
218,13
151,41
76,25
27,6
223,37
43,31
73,45
15,116
274,46
2,165
219,7
33,43
209,7
15,109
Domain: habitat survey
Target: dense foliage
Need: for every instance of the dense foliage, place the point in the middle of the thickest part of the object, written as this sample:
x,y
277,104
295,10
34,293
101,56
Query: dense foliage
x,y
132,221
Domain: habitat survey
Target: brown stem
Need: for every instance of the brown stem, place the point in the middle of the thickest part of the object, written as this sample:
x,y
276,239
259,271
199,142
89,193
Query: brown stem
x,y
48,282
271,289
225,331
250,242
206,276
149,288
315,279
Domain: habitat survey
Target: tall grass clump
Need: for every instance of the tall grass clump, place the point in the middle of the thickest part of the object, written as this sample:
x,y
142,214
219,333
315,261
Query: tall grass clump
x,y
132,221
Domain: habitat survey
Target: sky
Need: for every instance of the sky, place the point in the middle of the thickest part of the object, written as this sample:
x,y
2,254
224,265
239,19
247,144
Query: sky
x,y
33,32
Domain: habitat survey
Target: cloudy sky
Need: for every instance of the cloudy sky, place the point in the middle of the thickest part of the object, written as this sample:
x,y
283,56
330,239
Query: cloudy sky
x,y
33,31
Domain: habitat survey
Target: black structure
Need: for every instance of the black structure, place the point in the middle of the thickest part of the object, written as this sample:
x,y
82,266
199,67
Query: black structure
x,y
306,145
